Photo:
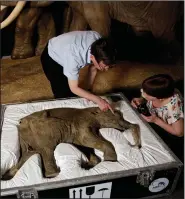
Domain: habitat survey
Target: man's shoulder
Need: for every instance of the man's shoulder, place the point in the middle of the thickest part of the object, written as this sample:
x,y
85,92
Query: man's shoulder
x,y
94,33
86,34
70,36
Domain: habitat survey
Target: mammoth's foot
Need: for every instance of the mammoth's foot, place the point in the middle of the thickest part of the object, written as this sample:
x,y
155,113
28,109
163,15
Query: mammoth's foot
x,y
23,52
110,155
109,151
136,135
93,161
49,164
51,173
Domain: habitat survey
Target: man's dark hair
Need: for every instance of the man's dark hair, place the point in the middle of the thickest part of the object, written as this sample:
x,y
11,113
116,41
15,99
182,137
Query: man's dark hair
x,y
159,86
104,50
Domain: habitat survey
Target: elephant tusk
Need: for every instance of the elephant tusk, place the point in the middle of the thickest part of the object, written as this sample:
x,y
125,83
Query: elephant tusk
x,y
2,12
3,7
20,5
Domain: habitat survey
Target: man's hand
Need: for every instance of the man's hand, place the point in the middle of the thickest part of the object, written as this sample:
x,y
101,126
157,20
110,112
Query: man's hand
x,y
104,105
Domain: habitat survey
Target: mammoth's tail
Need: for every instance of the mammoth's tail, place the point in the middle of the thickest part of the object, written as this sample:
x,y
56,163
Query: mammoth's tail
x,y
11,172
24,156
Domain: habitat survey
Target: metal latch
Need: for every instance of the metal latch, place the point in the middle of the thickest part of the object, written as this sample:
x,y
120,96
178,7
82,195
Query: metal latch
x,y
144,178
27,193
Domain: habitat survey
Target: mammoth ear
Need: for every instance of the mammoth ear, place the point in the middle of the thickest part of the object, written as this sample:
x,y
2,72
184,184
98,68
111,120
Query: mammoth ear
x,y
40,114
45,114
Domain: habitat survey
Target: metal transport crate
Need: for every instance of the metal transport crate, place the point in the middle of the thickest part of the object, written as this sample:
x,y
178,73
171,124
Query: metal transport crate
x,y
146,182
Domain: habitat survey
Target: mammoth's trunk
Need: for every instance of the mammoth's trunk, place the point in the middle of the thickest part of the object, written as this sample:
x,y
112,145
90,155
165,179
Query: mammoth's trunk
x,y
19,6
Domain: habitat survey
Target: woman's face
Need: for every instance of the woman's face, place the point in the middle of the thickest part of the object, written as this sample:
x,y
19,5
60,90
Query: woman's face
x,y
147,97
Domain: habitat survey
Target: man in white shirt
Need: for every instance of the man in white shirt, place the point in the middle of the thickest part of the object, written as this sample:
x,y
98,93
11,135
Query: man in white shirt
x,y
66,54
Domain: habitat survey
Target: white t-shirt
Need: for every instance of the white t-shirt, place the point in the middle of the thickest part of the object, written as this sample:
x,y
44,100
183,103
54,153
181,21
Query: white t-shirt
x,y
72,51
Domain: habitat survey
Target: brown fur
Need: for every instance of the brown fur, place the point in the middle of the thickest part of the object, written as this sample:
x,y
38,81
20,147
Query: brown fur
x,y
34,14
127,75
21,82
158,17
42,131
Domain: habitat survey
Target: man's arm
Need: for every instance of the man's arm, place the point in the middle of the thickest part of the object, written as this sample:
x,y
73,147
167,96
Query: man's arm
x,y
103,104
73,85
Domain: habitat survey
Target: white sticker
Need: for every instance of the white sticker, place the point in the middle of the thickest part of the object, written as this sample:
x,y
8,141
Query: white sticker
x,y
158,184
92,191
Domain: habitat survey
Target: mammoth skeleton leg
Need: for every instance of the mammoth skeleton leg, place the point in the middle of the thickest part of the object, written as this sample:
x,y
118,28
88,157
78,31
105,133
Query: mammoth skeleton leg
x,y
46,30
26,22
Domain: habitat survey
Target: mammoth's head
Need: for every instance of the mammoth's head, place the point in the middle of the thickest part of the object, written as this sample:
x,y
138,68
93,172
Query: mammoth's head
x,y
109,120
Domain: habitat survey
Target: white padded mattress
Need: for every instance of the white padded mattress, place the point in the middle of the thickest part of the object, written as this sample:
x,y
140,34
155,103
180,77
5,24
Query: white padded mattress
x,y
67,156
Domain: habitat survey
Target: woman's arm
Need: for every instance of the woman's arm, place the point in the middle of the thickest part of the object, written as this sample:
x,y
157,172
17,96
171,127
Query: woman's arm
x,y
177,128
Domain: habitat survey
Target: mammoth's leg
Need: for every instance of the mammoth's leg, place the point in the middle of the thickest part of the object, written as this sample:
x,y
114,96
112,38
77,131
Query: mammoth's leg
x,y
78,22
93,159
23,47
134,129
93,140
97,16
68,14
136,135
25,155
46,30
50,168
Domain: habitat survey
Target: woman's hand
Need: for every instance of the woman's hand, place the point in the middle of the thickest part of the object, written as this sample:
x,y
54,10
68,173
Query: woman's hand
x,y
152,119
104,105
136,101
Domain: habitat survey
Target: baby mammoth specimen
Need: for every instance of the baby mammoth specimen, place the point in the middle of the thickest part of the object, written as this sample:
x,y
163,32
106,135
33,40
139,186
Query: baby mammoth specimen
x,y
42,131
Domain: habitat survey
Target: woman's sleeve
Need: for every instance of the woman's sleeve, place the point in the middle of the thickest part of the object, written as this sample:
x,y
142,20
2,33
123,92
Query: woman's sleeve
x,y
175,111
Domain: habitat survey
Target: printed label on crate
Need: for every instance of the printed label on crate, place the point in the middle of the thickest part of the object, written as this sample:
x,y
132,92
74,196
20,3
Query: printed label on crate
x,y
158,185
93,191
